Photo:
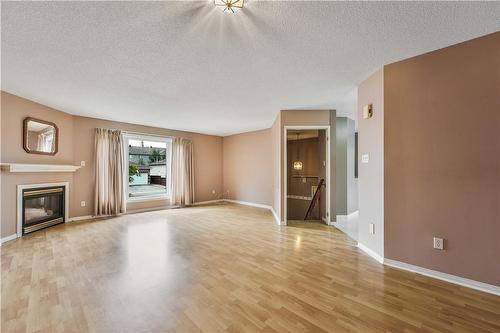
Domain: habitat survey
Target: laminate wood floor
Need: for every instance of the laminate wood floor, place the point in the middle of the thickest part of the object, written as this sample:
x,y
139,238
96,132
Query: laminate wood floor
x,y
220,268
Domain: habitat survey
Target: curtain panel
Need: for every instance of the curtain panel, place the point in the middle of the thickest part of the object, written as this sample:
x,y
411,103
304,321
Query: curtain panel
x,y
46,141
182,169
109,173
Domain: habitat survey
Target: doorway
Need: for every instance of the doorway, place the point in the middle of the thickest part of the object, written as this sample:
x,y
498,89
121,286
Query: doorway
x,y
306,175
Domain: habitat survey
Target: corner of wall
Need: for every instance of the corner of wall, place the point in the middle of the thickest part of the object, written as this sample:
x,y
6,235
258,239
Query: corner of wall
x,y
371,165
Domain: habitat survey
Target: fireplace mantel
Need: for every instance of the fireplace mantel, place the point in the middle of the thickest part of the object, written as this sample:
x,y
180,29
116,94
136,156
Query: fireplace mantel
x,y
20,167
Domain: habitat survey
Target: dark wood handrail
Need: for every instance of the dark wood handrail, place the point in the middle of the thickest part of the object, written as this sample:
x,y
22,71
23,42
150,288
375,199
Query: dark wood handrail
x,y
315,199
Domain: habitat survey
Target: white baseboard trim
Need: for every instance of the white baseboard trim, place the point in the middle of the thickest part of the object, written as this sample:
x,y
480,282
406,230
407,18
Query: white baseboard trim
x,y
348,216
253,204
276,218
371,253
246,203
347,224
133,211
144,210
8,238
207,202
80,218
481,286
473,284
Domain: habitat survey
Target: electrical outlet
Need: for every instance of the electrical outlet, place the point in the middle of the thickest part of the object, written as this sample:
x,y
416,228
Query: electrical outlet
x,y
83,203
82,163
438,243
213,191
371,227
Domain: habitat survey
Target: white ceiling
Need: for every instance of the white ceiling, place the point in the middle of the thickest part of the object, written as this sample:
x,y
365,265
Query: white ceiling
x,y
188,66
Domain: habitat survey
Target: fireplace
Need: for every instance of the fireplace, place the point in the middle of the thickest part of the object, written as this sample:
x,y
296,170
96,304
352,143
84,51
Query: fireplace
x,y
42,207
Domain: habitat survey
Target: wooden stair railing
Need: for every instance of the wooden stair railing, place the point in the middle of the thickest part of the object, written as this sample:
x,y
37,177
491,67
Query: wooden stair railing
x,y
316,198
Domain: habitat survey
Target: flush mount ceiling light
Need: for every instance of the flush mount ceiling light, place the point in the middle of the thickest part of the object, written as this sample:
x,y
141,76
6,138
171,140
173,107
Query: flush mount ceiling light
x,y
230,6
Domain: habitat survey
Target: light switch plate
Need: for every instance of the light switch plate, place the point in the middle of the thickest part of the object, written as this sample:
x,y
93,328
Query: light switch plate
x,y
365,158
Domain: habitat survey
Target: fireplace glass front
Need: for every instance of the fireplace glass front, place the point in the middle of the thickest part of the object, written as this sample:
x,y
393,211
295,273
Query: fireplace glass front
x,y
42,208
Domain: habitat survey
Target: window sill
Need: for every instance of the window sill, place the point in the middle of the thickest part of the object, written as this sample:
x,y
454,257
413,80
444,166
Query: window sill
x,y
148,198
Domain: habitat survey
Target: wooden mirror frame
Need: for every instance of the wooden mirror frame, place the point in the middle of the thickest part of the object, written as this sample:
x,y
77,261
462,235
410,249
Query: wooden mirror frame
x,y
25,136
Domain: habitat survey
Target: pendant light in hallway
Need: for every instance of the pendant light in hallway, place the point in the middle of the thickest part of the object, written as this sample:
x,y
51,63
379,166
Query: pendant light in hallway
x,y
297,165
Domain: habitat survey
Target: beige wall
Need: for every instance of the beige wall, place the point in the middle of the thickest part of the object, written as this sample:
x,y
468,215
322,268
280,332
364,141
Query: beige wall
x,y
268,146
14,110
207,157
248,167
442,159
371,174
76,144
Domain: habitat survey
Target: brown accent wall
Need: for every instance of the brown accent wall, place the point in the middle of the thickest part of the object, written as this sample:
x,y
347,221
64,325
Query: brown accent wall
x,y
309,118
307,151
248,167
442,159
76,144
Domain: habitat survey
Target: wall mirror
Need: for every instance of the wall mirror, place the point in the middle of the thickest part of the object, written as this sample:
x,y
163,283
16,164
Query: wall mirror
x,y
40,136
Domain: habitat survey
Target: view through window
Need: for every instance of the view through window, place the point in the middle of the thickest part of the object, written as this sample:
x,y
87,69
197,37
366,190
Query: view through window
x,y
148,167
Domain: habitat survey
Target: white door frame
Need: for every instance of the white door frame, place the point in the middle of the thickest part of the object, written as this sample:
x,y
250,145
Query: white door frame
x,y
285,166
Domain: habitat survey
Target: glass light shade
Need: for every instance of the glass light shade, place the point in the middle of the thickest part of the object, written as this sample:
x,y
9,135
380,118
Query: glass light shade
x,y
229,6
297,165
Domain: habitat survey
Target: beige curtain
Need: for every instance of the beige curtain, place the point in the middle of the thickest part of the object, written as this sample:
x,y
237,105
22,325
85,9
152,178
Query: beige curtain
x,y
182,170
109,173
46,140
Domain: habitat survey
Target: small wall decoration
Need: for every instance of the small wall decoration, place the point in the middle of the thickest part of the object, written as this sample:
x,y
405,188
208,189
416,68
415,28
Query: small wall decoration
x,y
40,136
367,111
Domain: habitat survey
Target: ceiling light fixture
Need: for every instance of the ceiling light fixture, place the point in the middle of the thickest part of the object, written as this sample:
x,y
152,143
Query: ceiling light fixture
x,y
230,6
297,165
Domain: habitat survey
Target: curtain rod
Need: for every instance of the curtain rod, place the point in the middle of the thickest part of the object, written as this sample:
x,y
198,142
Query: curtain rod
x,y
157,135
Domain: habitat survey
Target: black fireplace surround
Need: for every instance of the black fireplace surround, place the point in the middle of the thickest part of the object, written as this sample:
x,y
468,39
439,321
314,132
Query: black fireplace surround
x,y
42,208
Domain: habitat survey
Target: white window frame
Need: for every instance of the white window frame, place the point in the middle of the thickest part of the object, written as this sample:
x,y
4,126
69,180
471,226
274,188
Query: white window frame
x,y
145,137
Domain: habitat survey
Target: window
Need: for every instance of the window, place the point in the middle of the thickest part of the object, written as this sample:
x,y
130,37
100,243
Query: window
x,y
148,167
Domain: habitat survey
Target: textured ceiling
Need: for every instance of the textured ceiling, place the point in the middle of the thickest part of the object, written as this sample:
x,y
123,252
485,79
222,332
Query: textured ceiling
x,y
187,65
